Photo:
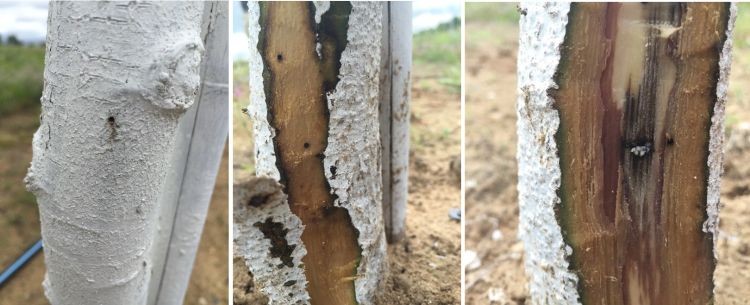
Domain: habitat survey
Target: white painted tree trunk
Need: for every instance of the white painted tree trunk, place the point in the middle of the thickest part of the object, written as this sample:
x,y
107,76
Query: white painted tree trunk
x,y
186,195
395,94
351,162
542,32
118,76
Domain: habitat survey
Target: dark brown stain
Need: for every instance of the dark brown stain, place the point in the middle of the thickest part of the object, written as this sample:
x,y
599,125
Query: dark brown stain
x,y
276,233
635,219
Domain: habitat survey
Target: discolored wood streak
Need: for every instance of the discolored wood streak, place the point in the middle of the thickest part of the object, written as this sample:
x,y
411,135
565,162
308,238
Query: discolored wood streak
x,y
296,81
638,75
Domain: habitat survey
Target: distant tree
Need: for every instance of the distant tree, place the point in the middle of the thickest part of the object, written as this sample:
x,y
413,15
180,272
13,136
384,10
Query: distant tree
x,y
1,39
13,40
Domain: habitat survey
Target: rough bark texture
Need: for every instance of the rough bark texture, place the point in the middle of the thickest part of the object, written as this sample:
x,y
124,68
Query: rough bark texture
x,y
118,76
314,80
637,94
395,93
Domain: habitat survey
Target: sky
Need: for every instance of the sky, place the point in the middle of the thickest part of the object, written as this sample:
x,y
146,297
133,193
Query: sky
x,y
25,19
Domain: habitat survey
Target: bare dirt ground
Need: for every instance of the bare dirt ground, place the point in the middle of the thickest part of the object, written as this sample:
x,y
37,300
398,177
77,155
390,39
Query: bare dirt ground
x,y
497,275
19,224
425,266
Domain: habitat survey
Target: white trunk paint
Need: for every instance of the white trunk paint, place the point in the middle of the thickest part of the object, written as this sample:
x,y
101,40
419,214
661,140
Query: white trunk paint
x,y
542,31
395,94
186,196
353,147
118,76
716,142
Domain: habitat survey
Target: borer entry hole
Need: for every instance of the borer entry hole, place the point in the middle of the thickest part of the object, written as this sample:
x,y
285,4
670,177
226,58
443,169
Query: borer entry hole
x,y
279,57
111,119
306,145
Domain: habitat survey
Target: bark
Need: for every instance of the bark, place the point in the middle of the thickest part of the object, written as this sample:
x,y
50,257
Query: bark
x,y
186,196
620,131
314,82
395,93
118,76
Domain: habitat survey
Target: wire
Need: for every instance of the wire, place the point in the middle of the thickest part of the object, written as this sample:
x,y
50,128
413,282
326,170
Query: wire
x,y
20,262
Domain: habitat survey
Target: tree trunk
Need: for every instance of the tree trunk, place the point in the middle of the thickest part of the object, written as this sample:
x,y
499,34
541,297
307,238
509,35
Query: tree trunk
x,y
620,132
395,93
186,195
314,82
114,90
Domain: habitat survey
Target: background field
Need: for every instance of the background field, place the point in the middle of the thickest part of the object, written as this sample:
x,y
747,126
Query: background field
x,y
425,265
495,275
21,83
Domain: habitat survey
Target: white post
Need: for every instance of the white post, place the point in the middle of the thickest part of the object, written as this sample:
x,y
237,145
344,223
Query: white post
x,y
314,103
118,76
395,94
186,196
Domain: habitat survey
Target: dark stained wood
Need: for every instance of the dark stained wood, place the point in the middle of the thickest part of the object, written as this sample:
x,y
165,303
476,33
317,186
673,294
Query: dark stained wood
x,y
637,85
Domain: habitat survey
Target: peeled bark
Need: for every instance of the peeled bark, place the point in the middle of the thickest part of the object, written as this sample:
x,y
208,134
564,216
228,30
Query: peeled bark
x,y
118,76
314,82
620,130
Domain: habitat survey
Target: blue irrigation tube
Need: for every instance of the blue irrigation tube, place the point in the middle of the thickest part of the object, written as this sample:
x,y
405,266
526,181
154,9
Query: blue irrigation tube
x,y
25,257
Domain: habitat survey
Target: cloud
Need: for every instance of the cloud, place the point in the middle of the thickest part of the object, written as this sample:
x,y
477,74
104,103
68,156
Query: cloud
x,y
429,14
25,19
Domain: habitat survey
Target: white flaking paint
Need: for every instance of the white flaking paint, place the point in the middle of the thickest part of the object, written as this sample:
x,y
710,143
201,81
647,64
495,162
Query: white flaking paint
x,y
118,76
542,32
716,143
354,143
250,243
263,132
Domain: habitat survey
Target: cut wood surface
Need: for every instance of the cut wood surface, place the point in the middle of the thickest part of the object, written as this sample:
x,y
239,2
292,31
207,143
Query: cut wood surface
x,y
637,96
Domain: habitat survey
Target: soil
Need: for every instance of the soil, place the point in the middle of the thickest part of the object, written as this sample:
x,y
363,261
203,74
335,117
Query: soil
x,y
19,222
424,266
495,274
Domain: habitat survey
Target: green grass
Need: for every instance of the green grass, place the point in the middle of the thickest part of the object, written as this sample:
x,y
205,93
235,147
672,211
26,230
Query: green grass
x,y
437,53
742,26
492,12
21,79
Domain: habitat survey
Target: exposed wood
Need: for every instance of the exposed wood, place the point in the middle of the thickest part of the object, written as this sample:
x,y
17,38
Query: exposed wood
x,y
186,195
636,91
296,82
395,94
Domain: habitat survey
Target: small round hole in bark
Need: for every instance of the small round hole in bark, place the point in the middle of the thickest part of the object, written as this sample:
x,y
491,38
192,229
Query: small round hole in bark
x,y
670,140
307,145
279,57
111,120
